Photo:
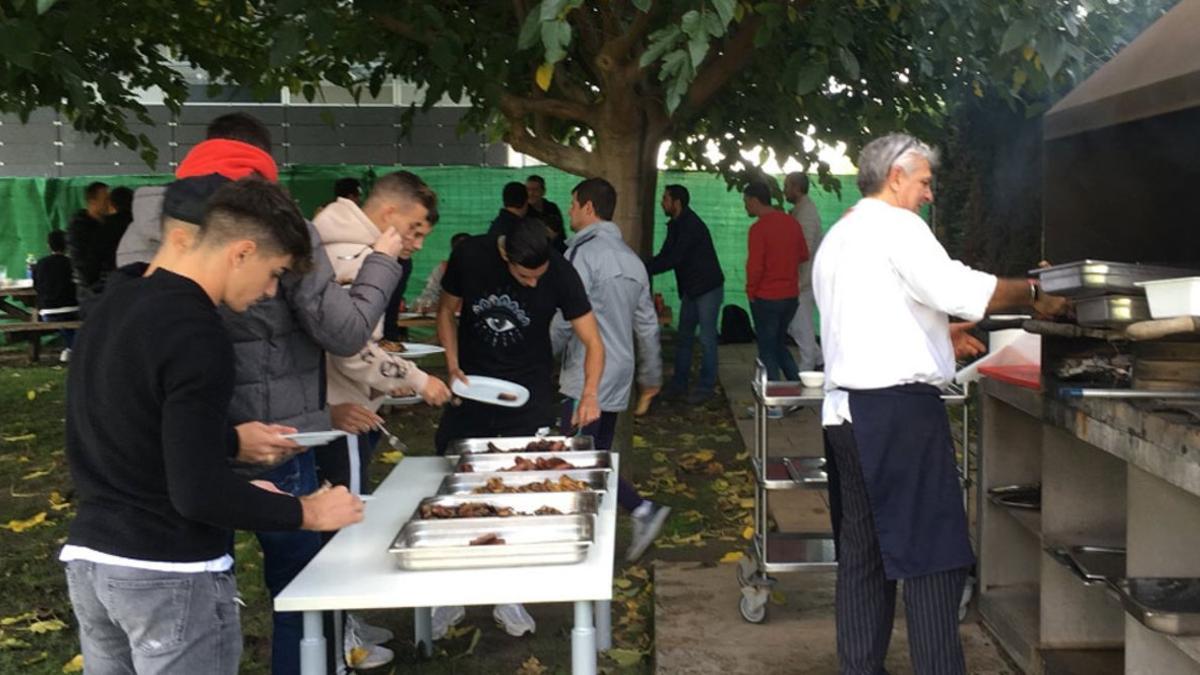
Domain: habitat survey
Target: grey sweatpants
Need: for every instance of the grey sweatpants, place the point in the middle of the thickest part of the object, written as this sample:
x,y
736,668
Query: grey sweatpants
x,y
139,621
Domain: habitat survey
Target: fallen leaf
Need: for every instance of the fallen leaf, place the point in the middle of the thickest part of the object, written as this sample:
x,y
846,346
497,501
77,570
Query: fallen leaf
x,y
779,597
640,442
57,501
531,666
742,456
622,583
748,533
391,457
38,658
732,557
625,657
36,474
659,456
22,525
474,643
20,439
13,643
458,631
47,626
746,502
18,618
638,572
75,665
31,394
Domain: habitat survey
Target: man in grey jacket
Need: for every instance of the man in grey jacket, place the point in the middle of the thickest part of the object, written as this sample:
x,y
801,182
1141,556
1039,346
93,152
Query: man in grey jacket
x,y
279,352
801,328
619,289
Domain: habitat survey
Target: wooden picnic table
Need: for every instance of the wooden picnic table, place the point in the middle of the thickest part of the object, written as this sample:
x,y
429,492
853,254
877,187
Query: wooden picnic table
x,y
19,302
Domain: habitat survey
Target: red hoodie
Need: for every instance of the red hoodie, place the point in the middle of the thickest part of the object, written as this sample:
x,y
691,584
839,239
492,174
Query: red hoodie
x,y
776,250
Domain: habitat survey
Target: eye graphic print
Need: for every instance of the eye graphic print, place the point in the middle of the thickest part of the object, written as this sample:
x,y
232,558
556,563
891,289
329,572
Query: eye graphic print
x,y
500,319
499,323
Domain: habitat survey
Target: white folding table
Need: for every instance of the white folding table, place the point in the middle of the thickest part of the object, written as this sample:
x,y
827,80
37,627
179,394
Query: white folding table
x,y
355,571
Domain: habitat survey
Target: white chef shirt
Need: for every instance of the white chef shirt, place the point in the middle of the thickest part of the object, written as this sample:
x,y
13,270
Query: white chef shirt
x,y
886,289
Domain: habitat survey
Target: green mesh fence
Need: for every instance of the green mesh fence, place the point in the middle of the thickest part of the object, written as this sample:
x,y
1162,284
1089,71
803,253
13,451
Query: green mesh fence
x,y
469,198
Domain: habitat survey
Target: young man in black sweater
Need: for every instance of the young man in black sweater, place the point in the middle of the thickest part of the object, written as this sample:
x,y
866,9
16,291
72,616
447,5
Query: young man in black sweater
x,y
148,443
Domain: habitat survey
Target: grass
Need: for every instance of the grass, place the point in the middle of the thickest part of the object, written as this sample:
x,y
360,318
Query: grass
x,y
690,458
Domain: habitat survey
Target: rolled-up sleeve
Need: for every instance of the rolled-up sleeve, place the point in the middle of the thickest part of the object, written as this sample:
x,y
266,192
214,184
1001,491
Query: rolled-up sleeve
x,y
935,280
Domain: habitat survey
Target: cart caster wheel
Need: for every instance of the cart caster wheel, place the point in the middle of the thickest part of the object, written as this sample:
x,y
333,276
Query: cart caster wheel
x,y
751,611
744,570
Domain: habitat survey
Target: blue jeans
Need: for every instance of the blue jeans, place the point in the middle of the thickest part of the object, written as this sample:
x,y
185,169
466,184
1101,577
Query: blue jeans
x,y
284,555
771,319
134,620
702,311
602,432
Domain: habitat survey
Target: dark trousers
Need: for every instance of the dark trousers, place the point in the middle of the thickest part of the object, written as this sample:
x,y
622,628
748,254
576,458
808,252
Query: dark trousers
x,y
602,432
699,312
771,319
333,460
284,555
480,420
866,598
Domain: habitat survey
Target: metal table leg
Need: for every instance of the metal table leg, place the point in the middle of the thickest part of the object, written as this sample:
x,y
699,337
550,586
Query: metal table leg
x,y
603,625
583,641
423,629
312,646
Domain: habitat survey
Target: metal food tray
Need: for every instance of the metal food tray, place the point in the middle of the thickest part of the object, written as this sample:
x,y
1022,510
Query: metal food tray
x,y
479,446
1087,278
540,540
1168,605
497,462
1111,311
569,503
465,483
1098,563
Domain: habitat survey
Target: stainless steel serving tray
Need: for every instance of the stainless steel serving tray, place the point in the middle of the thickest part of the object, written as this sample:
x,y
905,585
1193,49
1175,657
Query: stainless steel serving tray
x,y
1098,563
501,462
1087,278
1166,604
1111,311
465,483
536,540
569,503
479,446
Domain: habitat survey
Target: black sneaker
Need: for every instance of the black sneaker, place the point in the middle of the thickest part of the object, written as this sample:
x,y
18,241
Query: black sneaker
x,y
646,529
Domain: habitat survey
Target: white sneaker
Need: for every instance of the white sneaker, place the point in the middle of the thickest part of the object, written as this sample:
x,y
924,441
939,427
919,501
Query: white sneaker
x,y
645,529
64,356
445,618
514,619
368,634
360,654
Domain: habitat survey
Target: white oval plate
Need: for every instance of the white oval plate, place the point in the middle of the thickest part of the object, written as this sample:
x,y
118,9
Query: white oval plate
x,y
314,438
402,400
405,316
488,390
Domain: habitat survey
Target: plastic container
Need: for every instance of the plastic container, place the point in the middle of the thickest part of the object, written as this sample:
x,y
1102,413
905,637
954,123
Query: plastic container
x,y
1173,297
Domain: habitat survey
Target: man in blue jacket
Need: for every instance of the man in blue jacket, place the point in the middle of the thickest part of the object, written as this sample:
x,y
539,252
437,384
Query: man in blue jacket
x,y
689,251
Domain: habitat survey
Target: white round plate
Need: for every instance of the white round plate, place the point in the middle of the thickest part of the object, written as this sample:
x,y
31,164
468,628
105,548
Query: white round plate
x,y
314,438
405,316
415,350
402,400
488,390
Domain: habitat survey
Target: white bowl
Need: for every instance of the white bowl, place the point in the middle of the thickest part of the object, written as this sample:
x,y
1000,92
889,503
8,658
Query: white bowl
x,y
812,379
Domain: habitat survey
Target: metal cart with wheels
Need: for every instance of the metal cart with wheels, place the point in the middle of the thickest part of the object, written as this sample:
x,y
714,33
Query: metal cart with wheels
x,y
780,552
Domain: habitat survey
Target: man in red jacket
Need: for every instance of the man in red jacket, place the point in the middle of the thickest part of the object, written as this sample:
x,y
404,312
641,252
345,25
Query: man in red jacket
x,y
775,251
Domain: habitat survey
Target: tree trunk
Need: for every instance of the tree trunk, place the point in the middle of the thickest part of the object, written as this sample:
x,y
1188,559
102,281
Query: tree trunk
x,y
629,160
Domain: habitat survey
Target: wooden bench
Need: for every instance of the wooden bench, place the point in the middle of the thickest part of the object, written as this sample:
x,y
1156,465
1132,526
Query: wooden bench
x,y
33,331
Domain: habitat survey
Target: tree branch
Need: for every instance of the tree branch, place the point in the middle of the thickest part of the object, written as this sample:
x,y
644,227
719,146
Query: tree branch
x,y
519,106
622,45
403,29
570,159
716,72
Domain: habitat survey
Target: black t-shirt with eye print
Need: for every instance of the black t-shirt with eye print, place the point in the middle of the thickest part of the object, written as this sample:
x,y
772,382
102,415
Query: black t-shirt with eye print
x,y
504,329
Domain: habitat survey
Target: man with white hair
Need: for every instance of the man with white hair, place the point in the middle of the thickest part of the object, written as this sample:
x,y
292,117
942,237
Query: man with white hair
x,y
882,279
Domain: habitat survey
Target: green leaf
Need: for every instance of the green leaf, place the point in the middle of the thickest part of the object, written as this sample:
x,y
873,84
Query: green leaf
x,y
849,63
660,42
714,24
443,53
811,77
725,9
698,49
530,29
286,44
691,24
556,35
1017,34
309,91
642,5
44,6
551,9
1054,54
625,657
